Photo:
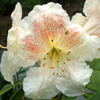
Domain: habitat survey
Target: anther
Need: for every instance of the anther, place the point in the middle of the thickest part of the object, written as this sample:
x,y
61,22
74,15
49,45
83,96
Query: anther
x,y
66,32
64,63
52,40
68,59
53,73
62,70
47,53
60,50
44,64
44,58
58,61
68,53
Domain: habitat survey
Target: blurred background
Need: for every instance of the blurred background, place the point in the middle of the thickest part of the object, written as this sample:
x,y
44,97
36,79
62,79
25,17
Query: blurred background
x,y
6,8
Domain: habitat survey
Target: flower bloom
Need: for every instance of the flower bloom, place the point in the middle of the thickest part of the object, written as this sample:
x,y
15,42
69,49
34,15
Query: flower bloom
x,y
48,36
58,45
90,23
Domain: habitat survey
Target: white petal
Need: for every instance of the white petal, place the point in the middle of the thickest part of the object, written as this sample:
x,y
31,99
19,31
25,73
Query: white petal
x,y
90,6
8,68
88,50
92,10
15,34
40,84
50,8
72,82
92,25
78,18
16,15
82,47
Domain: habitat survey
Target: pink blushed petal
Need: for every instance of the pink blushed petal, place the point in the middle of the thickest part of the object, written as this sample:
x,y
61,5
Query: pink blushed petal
x,y
30,49
48,27
44,30
53,8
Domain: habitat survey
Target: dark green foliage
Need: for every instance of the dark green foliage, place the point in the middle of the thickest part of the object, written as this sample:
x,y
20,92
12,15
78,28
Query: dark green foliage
x,y
7,6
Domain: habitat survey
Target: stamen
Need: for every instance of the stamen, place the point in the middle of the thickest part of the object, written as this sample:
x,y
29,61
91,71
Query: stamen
x,y
53,73
3,47
66,32
44,64
68,53
47,53
52,40
68,59
57,61
60,50
62,70
44,58
54,59
64,63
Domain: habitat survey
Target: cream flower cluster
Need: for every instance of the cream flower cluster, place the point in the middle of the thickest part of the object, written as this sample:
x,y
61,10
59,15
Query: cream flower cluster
x,y
47,35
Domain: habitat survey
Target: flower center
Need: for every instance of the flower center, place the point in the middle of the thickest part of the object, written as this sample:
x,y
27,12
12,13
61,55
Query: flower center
x,y
54,50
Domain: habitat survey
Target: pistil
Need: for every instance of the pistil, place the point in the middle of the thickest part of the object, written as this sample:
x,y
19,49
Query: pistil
x,y
53,57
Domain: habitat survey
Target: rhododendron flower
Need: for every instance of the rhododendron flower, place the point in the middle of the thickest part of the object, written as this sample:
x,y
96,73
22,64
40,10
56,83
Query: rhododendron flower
x,y
56,42
11,61
48,36
91,21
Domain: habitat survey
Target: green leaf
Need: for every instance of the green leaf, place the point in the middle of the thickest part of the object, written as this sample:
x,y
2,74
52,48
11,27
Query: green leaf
x,y
87,95
18,95
94,83
64,97
23,71
68,98
9,86
95,64
96,96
